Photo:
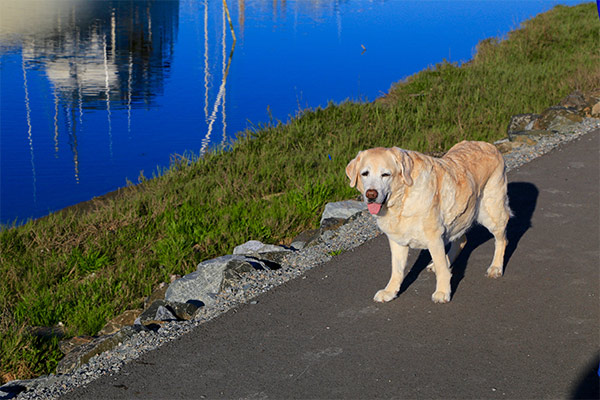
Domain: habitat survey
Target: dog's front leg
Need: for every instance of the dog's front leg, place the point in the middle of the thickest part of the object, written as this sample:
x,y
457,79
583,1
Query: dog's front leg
x,y
399,258
442,271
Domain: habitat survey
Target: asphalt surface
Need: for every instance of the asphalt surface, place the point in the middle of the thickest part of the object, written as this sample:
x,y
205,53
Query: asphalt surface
x,y
534,333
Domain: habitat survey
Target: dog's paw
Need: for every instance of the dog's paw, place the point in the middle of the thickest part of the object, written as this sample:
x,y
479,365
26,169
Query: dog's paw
x,y
440,297
429,268
383,296
494,272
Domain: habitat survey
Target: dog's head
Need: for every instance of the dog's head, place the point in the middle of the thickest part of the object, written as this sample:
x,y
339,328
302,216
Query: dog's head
x,y
378,173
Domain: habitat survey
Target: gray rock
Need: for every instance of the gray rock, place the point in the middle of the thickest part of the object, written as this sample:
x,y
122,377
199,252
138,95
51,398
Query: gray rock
x,y
576,101
342,209
335,216
524,136
184,311
68,345
161,311
127,318
212,275
164,314
564,124
329,224
298,245
264,252
11,389
306,239
84,353
253,247
521,122
557,119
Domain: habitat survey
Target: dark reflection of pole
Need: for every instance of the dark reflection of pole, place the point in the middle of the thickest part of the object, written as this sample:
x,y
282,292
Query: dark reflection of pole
x,y
29,128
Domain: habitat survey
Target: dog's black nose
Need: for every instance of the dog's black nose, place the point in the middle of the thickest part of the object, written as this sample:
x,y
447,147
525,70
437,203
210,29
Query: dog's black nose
x,y
371,194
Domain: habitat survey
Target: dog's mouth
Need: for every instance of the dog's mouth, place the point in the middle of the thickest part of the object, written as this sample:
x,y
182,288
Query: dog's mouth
x,y
374,207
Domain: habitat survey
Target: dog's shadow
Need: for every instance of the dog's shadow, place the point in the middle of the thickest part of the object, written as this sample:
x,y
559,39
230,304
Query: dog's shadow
x,y
522,198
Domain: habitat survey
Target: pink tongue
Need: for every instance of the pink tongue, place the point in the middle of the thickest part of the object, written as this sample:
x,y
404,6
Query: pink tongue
x,y
374,208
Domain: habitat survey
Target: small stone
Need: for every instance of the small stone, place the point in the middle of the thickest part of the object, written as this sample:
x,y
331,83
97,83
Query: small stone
x,y
66,346
507,147
217,274
184,311
521,122
575,101
127,318
164,314
308,238
82,354
557,119
253,247
156,313
332,223
525,140
342,209
298,245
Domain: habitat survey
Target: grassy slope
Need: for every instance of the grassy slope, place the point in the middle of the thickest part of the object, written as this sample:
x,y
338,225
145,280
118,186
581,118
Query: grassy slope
x,y
81,269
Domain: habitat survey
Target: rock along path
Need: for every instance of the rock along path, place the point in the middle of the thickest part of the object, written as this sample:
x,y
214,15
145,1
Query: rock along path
x,y
531,334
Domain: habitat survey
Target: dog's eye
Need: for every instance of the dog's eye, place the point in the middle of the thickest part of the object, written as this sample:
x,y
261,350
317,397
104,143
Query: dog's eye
x,y
385,174
366,173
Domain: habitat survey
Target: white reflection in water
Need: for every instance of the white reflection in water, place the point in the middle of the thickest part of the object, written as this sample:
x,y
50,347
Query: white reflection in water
x,y
29,129
221,95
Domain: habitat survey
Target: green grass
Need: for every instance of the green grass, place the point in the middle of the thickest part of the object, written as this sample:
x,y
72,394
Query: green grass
x,y
83,267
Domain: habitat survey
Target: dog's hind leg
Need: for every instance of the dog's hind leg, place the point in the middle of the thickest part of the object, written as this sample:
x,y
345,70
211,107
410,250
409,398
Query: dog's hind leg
x,y
399,258
455,248
494,214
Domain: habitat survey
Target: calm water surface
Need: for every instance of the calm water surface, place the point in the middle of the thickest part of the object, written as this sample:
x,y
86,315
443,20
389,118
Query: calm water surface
x,y
94,92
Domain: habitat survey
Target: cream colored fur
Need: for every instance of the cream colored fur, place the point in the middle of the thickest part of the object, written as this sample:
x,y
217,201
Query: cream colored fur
x,y
427,202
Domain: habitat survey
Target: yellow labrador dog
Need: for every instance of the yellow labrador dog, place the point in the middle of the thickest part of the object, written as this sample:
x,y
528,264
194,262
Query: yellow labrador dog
x,y
425,202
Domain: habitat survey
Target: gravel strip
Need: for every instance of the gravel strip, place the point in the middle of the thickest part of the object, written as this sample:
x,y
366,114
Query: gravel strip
x,y
360,229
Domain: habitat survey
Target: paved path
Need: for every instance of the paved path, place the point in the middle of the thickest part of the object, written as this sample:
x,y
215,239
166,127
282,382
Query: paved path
x,y
534,333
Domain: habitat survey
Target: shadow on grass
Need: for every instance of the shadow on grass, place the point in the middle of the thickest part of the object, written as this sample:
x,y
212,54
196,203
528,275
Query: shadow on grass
x,y
522,199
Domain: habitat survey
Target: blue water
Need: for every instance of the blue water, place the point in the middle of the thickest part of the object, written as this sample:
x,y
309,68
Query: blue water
x,y
94,92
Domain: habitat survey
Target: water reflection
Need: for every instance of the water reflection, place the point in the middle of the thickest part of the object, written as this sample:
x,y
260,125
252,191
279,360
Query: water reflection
x,y
96,55
107,51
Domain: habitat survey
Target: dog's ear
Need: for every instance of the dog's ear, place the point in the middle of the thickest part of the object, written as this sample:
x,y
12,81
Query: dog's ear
x,y
405,164
352,170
